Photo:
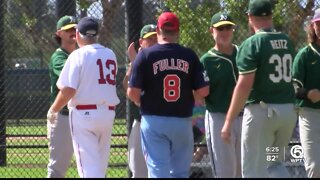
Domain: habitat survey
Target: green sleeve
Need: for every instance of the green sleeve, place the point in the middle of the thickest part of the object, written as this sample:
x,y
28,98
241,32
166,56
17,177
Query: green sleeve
x,y
246,57
58,63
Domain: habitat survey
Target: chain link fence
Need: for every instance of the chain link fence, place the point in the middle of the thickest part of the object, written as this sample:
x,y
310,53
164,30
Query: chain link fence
x,y
27,28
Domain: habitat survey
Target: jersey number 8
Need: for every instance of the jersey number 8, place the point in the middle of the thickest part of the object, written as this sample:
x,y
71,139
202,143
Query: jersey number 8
x,y
171,88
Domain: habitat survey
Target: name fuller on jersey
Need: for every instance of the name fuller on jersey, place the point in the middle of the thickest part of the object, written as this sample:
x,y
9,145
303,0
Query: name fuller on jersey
x,y
279,44
172,64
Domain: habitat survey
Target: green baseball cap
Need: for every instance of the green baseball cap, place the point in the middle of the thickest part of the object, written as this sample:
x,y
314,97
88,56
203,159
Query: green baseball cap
x,y
66,22
221,18
148,30
259,8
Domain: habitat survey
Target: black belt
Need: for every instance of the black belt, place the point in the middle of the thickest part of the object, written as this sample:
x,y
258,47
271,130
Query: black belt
x,y
64,112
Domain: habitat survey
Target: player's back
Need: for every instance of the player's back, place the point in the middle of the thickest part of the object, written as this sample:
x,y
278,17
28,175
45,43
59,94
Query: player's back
x,y
95,69
170,74
270,55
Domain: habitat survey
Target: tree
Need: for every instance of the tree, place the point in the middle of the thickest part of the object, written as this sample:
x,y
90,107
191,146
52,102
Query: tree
x,y
286,14
195,17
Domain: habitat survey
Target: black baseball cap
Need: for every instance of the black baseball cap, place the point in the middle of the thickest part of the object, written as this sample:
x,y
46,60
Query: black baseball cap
x,y
88,26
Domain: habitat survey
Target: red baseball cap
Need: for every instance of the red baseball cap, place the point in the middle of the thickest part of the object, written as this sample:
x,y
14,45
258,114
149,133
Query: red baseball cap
x,y
168,21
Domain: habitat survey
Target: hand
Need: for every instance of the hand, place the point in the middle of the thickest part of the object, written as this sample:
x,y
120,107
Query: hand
x,y
52,117
226,134
132,52
314,95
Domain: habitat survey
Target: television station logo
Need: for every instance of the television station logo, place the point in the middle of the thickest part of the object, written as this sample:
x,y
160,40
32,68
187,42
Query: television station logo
x,y
296,153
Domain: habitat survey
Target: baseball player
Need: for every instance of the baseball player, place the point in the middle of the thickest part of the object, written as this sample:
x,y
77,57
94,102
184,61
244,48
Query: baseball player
x,y
60,143
265,88
162,83
220,64
88,84
137,164
306,77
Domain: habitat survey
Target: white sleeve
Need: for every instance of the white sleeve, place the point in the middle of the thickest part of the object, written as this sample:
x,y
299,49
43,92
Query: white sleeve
x,y
69,76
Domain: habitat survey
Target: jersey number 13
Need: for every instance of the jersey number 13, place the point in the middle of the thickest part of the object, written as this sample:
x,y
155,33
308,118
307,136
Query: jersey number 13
x,y
109,78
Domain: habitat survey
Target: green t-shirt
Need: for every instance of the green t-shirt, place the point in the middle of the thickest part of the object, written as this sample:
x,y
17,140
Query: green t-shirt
x,y
306,71
270,55
135,111
57,61
223,74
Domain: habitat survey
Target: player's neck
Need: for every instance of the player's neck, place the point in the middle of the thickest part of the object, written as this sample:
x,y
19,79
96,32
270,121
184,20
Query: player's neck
x,y
167,39
69,48
224,48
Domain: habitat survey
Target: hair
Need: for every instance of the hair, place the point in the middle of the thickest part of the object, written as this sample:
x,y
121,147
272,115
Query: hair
x,y
58,39
88,39
311,34
168,32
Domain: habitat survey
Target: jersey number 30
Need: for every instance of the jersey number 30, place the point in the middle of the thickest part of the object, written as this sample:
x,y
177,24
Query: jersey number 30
x,y
282,68
110,78
171,88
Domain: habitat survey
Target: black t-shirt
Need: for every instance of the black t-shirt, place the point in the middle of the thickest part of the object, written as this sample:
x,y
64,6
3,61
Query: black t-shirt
x,y
167,74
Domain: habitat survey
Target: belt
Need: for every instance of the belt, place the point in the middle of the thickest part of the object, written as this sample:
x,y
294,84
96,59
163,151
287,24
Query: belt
x,y
64,112
92,106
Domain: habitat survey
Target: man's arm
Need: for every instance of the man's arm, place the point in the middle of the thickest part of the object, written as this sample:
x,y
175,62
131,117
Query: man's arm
x,y
239,97
201,92
126,78
62,98
134,95
132,55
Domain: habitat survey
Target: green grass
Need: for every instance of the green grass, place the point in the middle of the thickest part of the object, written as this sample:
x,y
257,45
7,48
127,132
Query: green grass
x,y
32,162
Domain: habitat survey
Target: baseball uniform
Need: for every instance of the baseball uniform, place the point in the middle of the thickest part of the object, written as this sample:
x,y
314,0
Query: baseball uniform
x,y
60,143
137,164
269,116
91,71
307,75
166,107
223,73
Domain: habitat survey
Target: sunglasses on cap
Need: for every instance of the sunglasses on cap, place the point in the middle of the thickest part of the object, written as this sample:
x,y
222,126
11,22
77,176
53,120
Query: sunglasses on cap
x,y
224,27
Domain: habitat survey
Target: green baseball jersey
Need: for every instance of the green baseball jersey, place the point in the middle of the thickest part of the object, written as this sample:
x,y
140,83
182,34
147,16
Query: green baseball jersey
x,y
56,64
268,54
223,74
135,111
306,71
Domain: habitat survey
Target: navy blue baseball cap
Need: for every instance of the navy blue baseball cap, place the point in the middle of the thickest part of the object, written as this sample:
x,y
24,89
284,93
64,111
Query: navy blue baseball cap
x,y
88,26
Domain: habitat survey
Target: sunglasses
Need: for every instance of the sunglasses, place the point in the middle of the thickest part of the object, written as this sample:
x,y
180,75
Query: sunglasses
x,y
224,27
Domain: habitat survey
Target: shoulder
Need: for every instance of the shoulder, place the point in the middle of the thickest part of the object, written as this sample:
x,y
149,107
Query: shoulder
x,y
58,57
304,52
58,53
204,57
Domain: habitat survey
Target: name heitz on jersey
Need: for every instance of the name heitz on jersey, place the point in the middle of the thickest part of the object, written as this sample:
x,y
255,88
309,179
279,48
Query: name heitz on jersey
x,y
279,44
172,64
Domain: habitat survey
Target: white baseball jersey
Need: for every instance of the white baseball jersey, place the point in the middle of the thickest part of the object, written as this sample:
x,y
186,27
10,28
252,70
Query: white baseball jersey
x,y
91,70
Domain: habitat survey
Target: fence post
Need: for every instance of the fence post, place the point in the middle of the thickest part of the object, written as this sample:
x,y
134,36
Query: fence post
x,y
3,150
133,24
